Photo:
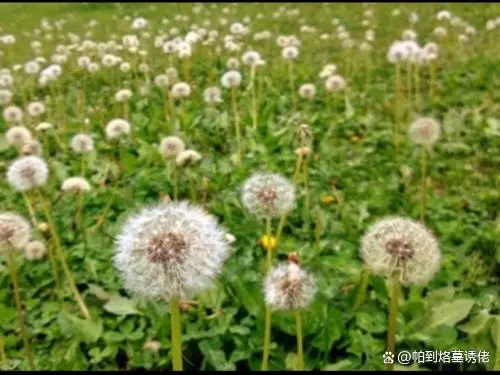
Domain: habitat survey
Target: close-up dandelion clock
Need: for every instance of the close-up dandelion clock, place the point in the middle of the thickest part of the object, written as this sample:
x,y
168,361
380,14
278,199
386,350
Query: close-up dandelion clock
x,y
117,128
268,195
15,231
402,246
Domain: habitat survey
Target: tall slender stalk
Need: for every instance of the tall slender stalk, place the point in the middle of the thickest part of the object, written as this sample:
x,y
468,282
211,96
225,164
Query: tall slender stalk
x,y
423,185
363,285
236,122
292,85
60,254
397,105
254,97
175,334
416,74
393,317
267,317
20,315
300,347
80,219
30,208
3,356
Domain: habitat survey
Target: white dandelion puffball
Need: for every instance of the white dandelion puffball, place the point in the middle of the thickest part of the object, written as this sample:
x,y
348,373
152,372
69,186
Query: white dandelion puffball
x,y
425,131
124,67
36,109
117,128
397,52
162,81
27,173
5,96
32,67
171,250
75,185
327,71
231,79
82,143
290,53
187,157
288,287
15,231
180,90
35,250
12,114
252,58
18,136
307,91
123,95
171,146
32,147
440,32
268,195
212,95
396,244
335,83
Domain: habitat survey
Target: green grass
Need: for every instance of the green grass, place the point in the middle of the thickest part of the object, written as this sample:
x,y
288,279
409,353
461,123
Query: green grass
x,y
357,164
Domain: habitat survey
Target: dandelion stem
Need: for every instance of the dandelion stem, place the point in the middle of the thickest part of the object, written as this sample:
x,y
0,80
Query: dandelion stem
x,y
393,317
20,314
267,339
416,74
29,206
300,348
60,253
80,218
176,343
397,105
363,285
292,86
236,122
423,186
254,97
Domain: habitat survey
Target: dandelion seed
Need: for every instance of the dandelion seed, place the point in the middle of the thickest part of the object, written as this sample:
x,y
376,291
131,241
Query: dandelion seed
x,y
171,146
75,185
35,250
18,136
117,128
425,131
187,157
15,231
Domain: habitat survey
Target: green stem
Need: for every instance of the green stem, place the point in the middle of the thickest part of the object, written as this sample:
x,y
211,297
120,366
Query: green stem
x,y
175,324
20,314
397,105
60,253
300,348
236,122
175,179
363,285
423,186
393,317
254,98
3,356
292,86
80,218
267,339
416,74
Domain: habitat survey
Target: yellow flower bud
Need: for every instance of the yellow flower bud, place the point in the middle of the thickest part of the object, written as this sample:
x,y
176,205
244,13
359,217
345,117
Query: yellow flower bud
x,y
268,242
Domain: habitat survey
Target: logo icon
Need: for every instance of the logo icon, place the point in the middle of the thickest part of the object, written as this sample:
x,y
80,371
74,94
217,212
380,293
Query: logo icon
x,y
388,358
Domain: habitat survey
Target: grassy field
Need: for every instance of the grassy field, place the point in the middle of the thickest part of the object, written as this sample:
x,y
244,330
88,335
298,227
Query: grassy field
x,y
362,167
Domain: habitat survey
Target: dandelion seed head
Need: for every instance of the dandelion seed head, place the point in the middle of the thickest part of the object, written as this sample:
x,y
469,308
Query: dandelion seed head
x,y
36,109
82,143
181,90
233,64
174,249
15,231
231,79
32,147
117,128
187,157
288,287
268,195
171,146
43,126
123,95
425,131
396,244
335,83
35,250
212,95
75,185
5,96
27,173
18,136
307,91
12,114
290,53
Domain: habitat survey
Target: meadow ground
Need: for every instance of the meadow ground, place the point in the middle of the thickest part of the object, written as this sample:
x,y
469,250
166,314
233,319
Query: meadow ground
x,y
345,150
